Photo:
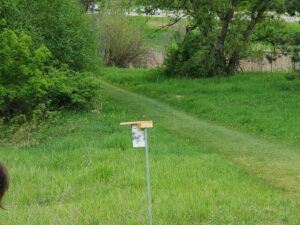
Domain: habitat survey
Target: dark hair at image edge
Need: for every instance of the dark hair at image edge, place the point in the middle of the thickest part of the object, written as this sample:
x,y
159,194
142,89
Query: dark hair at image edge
x,y
4,182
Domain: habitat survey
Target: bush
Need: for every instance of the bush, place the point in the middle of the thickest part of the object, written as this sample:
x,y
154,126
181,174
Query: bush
x,y
192,58
42,45
122,43
60,25
31,80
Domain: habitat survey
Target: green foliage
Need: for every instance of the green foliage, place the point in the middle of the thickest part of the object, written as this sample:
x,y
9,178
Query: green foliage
x,y
157,38
278,33
291,7
280,37
122,41
295,56
192,58
60,25
30,80
43,47
221,31
296,48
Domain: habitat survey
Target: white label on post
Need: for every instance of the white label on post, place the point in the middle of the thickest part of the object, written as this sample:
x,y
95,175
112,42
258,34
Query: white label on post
x,y
138,137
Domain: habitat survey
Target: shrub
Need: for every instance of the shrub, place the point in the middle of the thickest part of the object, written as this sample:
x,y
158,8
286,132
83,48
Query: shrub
x,y
192,58
60,25
122,43
31,80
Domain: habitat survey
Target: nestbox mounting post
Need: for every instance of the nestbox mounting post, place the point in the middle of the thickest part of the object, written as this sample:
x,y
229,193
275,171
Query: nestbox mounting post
x,y
140,140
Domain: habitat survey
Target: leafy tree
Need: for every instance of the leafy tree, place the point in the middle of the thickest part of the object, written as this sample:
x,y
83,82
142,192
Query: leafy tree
x,y
218,35
61,25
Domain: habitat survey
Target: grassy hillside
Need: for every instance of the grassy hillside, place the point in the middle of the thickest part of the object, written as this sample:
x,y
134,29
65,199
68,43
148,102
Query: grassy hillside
x,y
82,169
265,104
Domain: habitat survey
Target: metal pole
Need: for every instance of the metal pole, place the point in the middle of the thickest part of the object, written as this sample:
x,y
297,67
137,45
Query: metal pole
x,y
148,179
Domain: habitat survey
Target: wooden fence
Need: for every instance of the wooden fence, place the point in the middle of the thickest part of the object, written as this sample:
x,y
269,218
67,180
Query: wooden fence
x,y
260,64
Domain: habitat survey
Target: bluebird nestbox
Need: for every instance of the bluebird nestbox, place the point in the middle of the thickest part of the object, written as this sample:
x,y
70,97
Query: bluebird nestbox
x,y
138,132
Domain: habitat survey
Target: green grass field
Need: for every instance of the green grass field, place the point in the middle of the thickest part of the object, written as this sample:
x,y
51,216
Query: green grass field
x,y
265,104
81,169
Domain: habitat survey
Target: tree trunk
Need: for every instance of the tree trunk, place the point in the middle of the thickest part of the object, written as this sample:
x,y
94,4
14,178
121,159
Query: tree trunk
x,y
219,51
257,13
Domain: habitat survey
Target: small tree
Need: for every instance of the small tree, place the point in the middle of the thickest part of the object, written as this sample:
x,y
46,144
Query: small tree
x,y
296,50
295,57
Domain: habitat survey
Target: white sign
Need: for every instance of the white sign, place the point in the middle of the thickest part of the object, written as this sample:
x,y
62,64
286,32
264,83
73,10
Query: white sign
x,y
138,137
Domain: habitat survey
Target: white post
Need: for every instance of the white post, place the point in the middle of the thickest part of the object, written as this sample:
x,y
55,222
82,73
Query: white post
x,y
148,179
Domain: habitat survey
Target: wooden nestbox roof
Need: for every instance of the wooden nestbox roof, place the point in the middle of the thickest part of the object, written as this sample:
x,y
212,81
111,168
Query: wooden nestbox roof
x,y
139,124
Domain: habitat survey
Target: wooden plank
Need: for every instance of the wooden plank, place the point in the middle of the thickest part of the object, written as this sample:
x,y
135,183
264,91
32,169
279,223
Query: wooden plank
x,y
139,124
146,124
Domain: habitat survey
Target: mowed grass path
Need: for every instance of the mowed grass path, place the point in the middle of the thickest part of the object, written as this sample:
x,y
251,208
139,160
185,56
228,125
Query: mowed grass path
x,y
278,163
82,170
264,104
